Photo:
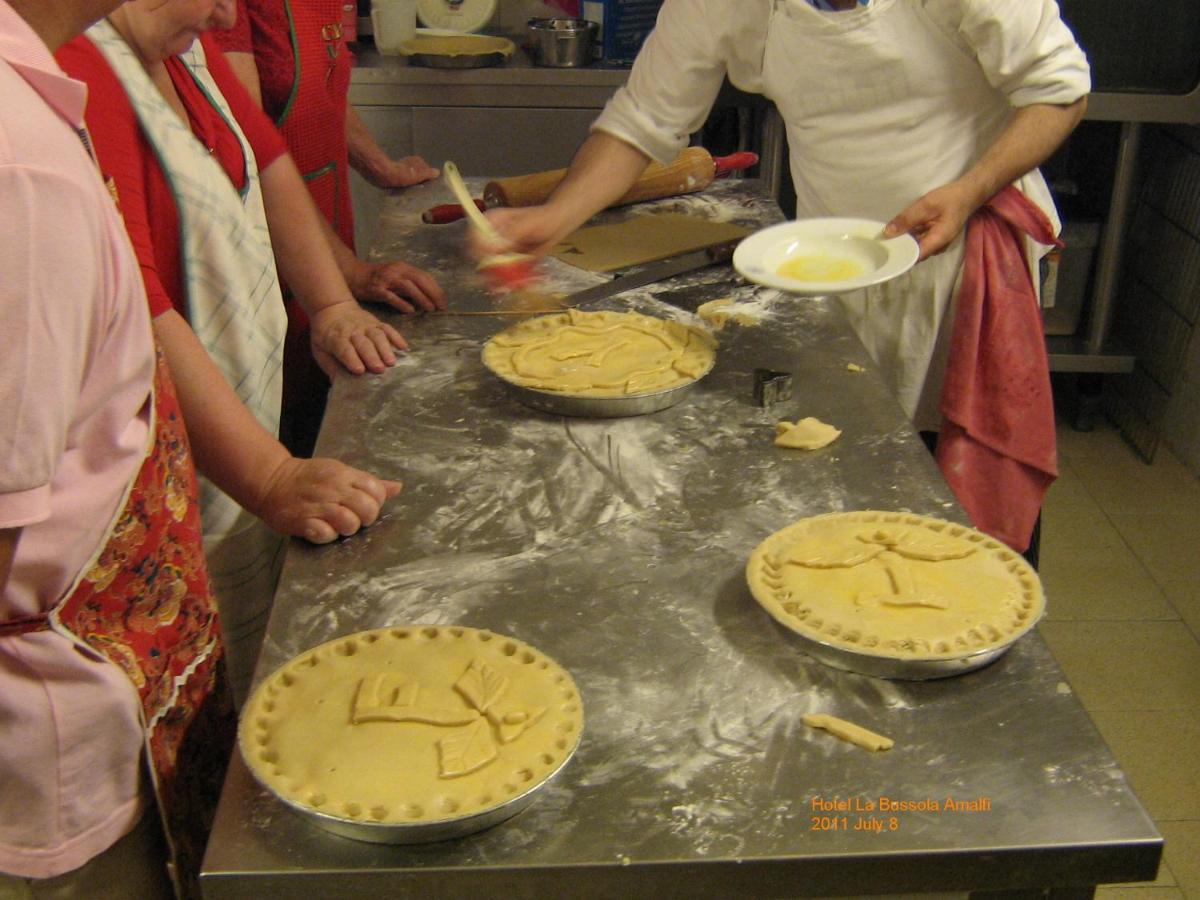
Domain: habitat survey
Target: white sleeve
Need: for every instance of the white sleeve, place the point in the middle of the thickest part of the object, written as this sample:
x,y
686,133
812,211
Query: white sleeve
x,y
1023,46
673,83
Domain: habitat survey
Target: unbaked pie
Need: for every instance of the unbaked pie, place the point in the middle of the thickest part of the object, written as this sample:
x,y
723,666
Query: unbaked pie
x,y
411,725
895,585
600,354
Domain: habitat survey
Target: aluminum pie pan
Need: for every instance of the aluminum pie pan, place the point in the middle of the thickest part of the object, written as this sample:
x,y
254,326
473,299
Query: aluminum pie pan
x,y
880,664
586,406
417,832
896,668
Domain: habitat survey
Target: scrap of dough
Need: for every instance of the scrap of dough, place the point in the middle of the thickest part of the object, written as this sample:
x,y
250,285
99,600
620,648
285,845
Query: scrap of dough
x,y
642,239
848,731
715,312
806,434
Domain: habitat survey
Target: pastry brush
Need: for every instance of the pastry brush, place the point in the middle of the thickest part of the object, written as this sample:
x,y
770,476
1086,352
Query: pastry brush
x,y
503,271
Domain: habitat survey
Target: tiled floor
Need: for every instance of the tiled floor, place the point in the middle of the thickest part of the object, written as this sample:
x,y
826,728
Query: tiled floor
x,y
1122,576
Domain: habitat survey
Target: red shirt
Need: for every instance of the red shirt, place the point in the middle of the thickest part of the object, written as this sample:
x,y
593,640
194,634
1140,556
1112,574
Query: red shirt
x,y
131,166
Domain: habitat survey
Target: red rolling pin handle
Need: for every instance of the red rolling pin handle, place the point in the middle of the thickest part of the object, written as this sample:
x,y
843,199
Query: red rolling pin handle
x,y
733,162
447,212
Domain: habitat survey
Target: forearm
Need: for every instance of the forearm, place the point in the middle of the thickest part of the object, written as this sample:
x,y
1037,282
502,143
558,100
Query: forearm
x,y
231,448
366,156
302,249
8,550
603,170
1031,136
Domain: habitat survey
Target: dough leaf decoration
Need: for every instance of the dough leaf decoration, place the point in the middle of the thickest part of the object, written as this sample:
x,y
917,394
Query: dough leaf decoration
x,y
481,685
466,749
925,547
825,555
511,724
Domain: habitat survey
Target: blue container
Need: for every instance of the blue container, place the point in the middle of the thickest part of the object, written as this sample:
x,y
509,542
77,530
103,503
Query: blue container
x,y
624,25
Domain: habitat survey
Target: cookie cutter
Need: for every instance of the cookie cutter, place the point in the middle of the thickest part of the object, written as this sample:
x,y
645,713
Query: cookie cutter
x,y
771,387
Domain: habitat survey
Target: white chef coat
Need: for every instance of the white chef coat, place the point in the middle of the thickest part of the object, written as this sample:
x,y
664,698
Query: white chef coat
x,y
881,104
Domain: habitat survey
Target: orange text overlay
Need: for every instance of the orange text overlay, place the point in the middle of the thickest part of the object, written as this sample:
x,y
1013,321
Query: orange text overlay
x,y
881,813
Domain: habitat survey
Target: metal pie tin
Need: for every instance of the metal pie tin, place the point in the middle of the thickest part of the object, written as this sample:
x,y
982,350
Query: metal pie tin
x,y
879,663
436,828
597,406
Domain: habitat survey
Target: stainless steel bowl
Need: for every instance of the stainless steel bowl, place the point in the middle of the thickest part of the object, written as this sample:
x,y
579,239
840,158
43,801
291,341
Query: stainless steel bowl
x,y
561,43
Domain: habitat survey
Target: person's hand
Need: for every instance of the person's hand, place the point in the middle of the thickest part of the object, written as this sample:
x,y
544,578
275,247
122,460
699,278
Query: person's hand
x,y
399,173
320,499
535,230
347,336
936,219
397,284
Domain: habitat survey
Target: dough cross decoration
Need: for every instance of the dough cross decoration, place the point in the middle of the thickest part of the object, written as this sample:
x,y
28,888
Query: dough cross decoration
x,y
470,744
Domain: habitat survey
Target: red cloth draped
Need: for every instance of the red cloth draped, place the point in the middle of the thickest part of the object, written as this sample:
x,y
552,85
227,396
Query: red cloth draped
x,y
997,443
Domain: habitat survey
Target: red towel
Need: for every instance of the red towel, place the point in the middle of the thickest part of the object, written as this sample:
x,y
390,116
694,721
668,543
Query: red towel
x,y
997,445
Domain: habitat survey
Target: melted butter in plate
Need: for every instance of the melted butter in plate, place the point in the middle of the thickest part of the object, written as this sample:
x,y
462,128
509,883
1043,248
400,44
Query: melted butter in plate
x,y
821,267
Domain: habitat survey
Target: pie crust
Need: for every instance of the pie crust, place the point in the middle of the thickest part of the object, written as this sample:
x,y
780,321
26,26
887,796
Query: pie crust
x,y
411,725
895,585
600,354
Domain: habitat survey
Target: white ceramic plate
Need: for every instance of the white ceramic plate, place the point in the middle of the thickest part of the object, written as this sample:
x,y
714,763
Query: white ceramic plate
x,y
812,257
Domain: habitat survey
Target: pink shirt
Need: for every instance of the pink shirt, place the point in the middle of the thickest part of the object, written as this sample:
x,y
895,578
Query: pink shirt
x,y
75,380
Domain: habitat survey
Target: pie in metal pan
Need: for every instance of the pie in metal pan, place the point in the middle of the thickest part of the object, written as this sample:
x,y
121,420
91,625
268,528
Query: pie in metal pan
x,y
412,733
894,594
602,363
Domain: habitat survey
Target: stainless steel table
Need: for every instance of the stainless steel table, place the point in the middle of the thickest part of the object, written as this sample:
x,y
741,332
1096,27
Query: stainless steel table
x,y
617,547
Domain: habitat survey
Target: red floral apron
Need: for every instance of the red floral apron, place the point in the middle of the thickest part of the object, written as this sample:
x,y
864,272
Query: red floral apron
x,y
145,605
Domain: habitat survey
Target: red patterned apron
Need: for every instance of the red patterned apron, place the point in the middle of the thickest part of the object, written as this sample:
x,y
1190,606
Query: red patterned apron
x,y
305,75
145,605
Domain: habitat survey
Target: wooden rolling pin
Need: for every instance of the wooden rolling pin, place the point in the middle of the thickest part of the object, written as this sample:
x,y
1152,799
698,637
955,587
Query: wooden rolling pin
x,y
693,170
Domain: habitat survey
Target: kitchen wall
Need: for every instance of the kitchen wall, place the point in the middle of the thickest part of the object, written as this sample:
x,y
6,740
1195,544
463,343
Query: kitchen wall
x,y
511,15
1156,316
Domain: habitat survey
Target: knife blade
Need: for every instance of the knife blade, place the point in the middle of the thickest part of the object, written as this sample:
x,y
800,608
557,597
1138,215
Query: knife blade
x,y
657,271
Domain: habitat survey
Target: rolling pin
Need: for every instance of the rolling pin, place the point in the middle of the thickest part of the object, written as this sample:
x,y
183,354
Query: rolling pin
x,y
692,170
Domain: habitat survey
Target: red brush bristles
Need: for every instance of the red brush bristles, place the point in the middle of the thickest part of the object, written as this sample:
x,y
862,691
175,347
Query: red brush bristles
x,y
510,271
